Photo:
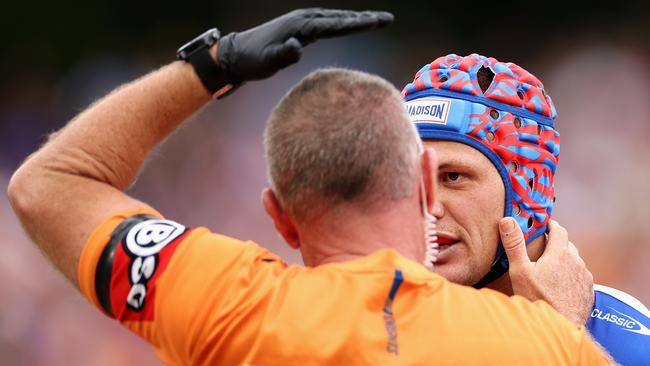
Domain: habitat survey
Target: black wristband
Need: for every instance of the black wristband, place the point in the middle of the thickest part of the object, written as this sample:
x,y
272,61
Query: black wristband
x,y
211,75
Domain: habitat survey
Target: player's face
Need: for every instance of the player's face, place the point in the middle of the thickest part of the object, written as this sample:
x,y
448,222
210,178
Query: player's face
x,y
469,204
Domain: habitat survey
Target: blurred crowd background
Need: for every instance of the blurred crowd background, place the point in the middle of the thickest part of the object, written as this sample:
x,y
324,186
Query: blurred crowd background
x,y
58,57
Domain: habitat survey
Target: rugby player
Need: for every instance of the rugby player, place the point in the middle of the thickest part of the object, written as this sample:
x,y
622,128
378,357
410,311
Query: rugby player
x,y
492,125
349,187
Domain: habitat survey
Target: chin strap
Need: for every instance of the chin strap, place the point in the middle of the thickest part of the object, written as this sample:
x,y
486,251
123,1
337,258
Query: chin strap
x,y
499,267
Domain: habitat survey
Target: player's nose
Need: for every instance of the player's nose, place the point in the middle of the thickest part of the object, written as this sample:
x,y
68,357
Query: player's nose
x,y
438,208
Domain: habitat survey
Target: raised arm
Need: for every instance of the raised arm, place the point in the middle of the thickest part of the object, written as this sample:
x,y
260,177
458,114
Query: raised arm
x,y
77,179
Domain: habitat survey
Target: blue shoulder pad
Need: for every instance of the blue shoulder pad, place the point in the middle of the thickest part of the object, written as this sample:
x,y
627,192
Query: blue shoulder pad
x,y
621,324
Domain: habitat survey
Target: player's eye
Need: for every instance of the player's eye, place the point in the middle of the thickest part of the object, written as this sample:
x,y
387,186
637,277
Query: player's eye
x,y
452,177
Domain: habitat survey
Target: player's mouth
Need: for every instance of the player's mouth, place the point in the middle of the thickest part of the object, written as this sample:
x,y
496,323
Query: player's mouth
x,y
445,245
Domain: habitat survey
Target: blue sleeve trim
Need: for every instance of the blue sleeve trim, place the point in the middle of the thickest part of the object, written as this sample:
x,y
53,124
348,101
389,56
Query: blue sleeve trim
x,y
620,323
624,298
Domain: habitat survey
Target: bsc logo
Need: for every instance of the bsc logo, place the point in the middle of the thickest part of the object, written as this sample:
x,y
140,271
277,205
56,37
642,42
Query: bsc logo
x,y
143,242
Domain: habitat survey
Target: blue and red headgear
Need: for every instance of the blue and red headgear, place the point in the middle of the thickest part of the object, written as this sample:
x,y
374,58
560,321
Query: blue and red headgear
x,y
511,123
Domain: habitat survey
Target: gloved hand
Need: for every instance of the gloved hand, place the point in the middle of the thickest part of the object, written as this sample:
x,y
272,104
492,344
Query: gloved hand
x,y
261,51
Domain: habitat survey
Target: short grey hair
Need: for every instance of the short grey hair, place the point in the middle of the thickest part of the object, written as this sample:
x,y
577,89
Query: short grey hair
x,y
340,136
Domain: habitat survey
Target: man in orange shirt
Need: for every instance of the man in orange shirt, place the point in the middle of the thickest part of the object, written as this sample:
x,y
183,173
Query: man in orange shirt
x,y
348,181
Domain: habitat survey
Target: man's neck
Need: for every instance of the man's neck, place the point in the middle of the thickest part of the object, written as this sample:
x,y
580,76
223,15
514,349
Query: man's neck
x,y
351,233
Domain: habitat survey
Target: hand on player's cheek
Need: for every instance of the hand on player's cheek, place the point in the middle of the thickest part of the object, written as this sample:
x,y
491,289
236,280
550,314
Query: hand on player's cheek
x,y
559,277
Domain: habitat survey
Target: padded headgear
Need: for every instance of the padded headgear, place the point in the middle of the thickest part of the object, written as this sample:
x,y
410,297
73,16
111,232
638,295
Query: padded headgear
x,y
511,122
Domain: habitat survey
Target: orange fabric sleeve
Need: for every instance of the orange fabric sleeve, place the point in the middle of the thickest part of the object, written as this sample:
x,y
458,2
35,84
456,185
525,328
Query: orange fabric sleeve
x,y
591,353
93,250
211,300
196,281
577,347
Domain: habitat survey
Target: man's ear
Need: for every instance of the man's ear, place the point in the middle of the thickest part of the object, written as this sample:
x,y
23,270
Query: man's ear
x,y
429,166
283,223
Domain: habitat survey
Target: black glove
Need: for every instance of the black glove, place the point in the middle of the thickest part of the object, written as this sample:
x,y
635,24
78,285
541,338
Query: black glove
x,y
260,52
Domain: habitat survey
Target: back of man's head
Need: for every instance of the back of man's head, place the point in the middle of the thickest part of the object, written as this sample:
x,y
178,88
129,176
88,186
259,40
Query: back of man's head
x,y
340,137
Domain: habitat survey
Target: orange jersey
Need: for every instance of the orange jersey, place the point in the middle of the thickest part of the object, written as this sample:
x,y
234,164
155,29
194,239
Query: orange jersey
x,y
205,299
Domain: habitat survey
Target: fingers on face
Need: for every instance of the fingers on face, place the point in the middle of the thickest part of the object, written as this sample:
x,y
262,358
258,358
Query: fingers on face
x,y
513,241
578,265
573,250
590,277
558,237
